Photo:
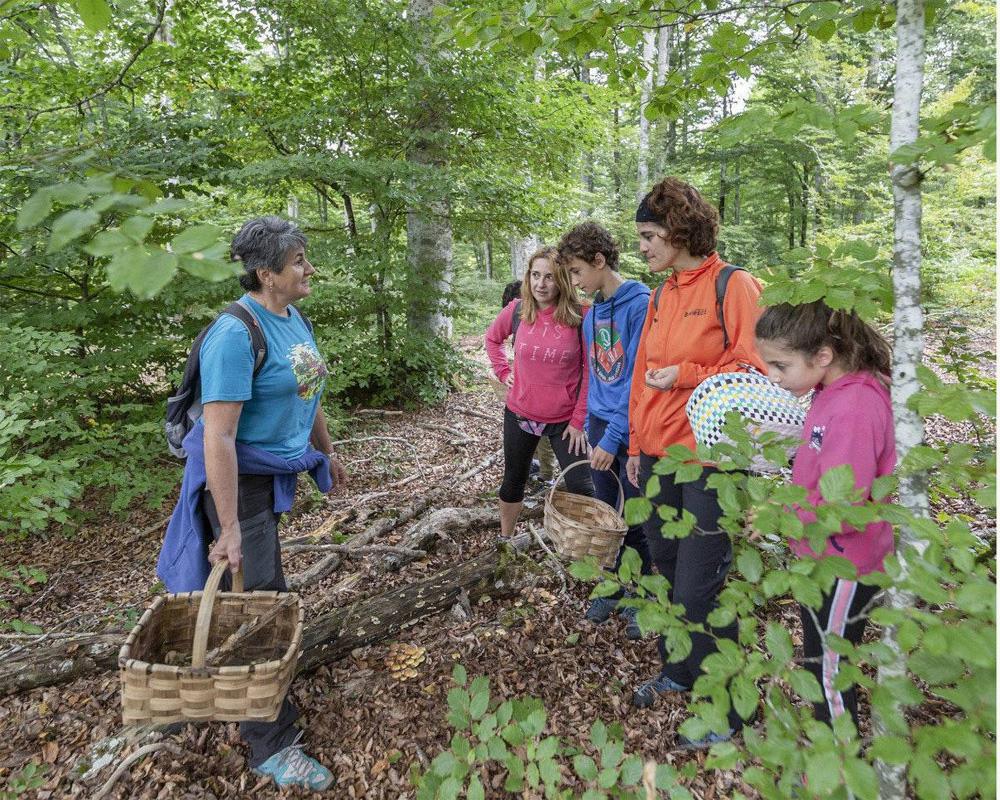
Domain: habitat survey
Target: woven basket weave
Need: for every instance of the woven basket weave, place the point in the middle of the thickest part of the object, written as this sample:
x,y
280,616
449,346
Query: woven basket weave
x,y
193,622
584,526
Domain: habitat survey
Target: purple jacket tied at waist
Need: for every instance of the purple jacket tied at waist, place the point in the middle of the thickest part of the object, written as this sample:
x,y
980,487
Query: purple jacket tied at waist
x,y
183,564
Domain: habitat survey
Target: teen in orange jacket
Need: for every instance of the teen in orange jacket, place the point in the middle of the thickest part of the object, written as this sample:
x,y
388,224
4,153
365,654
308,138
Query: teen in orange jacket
x,y
682,343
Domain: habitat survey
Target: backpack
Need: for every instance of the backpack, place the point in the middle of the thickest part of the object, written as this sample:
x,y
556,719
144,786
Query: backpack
x,y
184,404
721,282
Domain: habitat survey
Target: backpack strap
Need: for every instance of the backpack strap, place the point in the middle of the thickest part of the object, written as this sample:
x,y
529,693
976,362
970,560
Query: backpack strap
x,y
721,282
258,342
515,322
656,298
304,318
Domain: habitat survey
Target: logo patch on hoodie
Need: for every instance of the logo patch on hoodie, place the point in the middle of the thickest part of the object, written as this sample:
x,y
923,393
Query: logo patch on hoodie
x,y
816,437
607,353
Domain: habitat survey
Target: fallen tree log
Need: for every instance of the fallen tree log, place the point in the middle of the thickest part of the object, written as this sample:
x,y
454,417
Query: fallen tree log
x,y
330,562
445,523
326,638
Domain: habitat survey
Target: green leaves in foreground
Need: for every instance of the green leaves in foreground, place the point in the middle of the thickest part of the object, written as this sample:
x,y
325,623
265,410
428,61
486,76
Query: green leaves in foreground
x,y
511,736
129,223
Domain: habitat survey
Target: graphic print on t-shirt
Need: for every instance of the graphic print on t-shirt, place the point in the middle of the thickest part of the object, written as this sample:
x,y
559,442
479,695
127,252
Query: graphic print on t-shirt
x,y
309,370
607,353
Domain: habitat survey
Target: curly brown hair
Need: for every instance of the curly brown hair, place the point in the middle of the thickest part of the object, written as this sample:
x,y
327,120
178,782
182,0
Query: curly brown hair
x,y
692,222
585,241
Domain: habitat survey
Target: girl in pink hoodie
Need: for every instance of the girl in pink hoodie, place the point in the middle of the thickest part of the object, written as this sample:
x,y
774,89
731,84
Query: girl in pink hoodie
x,y
547,384
808,347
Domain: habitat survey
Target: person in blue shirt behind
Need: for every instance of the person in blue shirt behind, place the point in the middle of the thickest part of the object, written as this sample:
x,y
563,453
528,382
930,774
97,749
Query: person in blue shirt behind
x,y
611,332
256,434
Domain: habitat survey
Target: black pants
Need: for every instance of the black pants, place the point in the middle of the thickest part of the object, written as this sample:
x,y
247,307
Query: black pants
x,y
261,571
606,489
839,615
518,450
696,566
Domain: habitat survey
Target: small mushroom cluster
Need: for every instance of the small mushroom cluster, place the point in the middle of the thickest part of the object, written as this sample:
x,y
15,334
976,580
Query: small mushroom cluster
x,y
403,659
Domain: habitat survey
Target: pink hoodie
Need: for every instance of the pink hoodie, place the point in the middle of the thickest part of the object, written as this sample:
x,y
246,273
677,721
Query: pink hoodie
x,y
850,422
550,375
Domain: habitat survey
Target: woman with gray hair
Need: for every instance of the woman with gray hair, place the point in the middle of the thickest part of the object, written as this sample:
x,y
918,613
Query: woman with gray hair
x,y
262,424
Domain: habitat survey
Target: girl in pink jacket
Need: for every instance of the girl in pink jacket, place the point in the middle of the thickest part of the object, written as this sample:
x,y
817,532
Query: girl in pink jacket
x,y
547,384
808,347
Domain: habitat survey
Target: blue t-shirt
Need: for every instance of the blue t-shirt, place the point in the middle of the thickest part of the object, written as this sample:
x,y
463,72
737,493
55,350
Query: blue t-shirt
x,y
279,405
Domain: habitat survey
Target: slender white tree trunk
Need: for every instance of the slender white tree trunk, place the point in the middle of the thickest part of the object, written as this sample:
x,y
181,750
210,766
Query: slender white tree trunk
x,y
428,226
908,327
648,53
520,252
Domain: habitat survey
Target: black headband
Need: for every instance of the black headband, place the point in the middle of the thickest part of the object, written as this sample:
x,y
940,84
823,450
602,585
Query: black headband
x,y
644,213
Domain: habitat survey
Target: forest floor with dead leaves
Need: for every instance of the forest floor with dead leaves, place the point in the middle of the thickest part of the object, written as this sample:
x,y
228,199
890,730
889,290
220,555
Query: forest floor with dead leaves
x,y
365,725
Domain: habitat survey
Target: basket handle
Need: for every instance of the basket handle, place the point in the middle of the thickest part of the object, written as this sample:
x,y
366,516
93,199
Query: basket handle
x,y
204,621
621,489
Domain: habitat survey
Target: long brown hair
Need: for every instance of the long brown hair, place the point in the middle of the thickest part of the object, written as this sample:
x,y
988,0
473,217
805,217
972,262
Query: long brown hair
x,y
810,326
569,311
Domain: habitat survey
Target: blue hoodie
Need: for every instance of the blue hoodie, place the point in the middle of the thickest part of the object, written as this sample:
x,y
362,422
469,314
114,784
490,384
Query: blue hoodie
x,y
616,324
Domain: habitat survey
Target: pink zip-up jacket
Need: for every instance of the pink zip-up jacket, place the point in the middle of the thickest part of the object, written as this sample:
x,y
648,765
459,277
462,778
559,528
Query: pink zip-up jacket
x,y
550,374
850,422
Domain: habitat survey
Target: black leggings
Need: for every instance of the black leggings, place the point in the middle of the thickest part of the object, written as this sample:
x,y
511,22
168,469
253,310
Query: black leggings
x,y
840,615
518,450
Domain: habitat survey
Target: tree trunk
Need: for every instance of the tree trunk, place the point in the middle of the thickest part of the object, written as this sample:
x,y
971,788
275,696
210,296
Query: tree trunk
x,y
616,156
736,193
326,638
722,167
664,51
520,252
428,225
648,54
908,336
489,257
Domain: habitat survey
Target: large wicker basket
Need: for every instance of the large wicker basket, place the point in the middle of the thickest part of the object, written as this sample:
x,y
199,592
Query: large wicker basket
x,y
193,622
584,526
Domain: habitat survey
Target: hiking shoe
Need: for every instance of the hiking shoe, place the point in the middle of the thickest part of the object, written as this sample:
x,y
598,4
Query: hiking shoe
x,y
600,610
646,694
292,767
632,629
705,741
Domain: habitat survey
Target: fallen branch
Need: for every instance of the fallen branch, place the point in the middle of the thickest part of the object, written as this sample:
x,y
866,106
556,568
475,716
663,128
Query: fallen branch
x,y
138,754
329,563
354,552
469,412
486,463
326,638
245,631
447,522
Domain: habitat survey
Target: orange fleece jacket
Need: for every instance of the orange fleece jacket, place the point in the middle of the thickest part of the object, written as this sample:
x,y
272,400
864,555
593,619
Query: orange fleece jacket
x,y
685,331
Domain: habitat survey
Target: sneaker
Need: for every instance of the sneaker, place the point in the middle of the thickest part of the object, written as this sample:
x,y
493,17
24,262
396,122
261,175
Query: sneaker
x,y
632,629
600,610
291,767
646,694
705,741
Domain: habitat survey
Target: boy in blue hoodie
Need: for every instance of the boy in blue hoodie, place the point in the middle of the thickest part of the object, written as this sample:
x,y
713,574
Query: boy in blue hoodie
x,y
611,331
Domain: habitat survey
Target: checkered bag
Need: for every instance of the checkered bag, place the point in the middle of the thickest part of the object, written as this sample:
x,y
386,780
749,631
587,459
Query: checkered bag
x,y
764,406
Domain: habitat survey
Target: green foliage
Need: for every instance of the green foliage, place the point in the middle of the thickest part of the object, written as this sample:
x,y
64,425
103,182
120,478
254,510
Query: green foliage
x,y
30,777
509,735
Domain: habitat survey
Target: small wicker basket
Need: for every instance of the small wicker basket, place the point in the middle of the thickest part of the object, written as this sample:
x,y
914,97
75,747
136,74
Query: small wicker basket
x,y
584,526
159,693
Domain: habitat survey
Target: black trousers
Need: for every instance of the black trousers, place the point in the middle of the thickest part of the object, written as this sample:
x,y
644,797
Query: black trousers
x,y
606,489
839,615
696,566
518,450
261,570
